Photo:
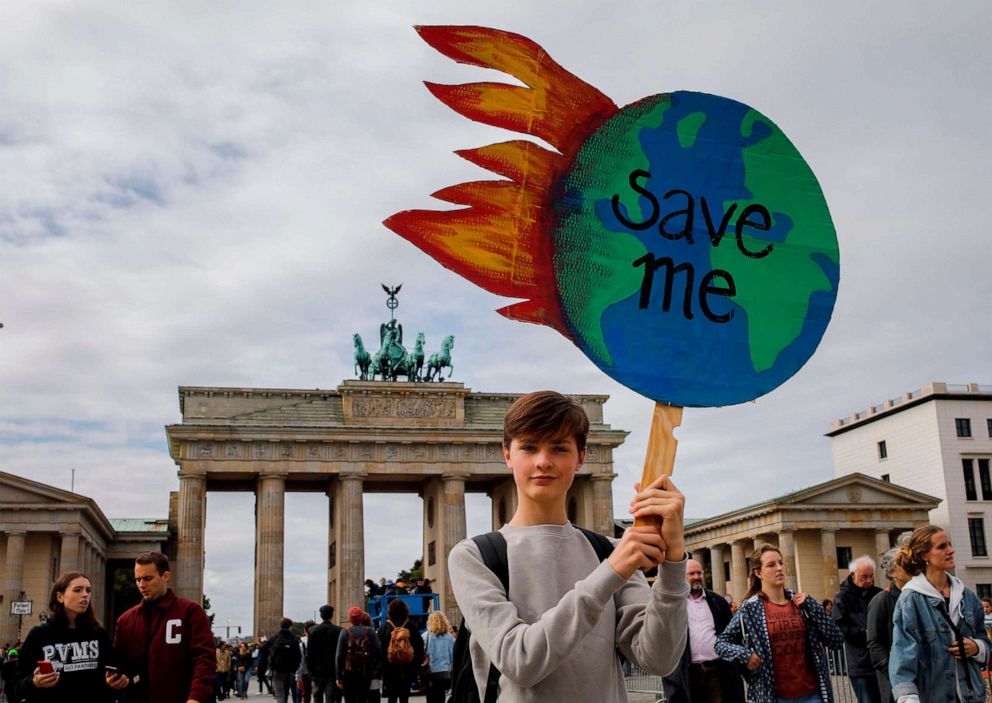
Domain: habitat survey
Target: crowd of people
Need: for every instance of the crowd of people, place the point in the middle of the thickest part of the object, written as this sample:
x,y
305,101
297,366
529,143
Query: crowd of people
x,y
162,651
358,663
923,638
575,611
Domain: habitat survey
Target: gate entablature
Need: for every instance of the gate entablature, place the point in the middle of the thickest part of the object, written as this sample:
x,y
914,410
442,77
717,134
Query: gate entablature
x,y
439,440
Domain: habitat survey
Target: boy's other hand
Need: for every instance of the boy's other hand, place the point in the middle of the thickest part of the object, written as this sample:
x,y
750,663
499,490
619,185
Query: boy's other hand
x,y
639,548
662,503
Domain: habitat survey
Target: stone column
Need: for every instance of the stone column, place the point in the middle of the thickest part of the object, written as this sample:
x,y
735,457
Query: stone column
x,y
758,541
88,560
13,584
454,532
738,571
787,544
351,542
700,556
718,582
828,546
270,511
602,503
69,552
187,574
97,581
882,544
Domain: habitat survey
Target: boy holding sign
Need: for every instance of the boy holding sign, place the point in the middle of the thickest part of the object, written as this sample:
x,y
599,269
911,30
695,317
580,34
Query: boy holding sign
x,y
555,636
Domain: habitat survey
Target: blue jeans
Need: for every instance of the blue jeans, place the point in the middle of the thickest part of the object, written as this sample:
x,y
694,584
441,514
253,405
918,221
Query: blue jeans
x,y
283,685
811,698
866,689
243,677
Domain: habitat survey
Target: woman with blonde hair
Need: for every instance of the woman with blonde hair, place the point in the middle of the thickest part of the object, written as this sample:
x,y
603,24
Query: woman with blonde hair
x,y
438,646
780,637
939,643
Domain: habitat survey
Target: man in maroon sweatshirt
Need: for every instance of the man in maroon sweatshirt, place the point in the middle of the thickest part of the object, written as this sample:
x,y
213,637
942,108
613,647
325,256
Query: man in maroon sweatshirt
x,y
164,644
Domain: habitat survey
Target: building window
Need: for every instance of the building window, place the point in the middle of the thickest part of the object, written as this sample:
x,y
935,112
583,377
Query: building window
x,y
968,465
332,555
887,478
976,530
844,557
962,426
726,572
883,451
989,423
431,553
984,590
983,477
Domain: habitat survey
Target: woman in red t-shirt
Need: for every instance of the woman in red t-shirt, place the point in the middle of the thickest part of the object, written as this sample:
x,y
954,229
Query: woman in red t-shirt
x,y
780,636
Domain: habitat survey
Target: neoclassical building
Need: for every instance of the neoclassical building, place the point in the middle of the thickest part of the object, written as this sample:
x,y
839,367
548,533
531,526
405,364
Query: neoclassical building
x,y
818,530
45,531
437,441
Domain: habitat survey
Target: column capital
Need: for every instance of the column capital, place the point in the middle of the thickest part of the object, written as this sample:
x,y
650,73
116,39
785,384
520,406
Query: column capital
x,y
787,530
829,529
353,476
16,533
71,531
455,476
269,475
189,475
602,476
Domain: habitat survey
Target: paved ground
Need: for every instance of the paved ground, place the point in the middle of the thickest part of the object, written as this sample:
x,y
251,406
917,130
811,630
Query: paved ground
x,y
254,695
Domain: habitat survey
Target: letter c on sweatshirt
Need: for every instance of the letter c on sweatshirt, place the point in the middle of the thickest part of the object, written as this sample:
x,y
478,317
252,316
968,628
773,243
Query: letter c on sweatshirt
x,y
172,636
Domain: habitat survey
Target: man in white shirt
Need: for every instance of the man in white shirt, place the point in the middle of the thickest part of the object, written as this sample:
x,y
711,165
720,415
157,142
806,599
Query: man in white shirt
x,y
702,677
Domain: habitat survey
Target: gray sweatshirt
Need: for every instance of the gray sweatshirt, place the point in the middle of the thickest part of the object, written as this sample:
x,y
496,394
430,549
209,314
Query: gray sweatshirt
x,y
555,638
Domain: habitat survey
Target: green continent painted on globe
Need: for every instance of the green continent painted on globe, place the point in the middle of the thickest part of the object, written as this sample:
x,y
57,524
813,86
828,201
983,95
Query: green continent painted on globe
x,y
695,256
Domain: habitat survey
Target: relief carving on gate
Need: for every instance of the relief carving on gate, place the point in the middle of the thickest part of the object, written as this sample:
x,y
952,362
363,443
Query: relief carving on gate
x,y
437,408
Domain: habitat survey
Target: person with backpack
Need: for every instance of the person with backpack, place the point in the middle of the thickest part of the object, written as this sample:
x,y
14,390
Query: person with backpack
x,y
284,660
555,632
322,647
404,652
439,646
358,654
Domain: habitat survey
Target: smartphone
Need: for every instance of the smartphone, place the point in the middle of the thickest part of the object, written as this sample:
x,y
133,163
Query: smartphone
x,y
112,670
45,667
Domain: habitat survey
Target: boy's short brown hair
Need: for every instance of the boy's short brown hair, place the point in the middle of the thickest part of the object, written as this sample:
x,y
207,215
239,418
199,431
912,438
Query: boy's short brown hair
x,y
546,415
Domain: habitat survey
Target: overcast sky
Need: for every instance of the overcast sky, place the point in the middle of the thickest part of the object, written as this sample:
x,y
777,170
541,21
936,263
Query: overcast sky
x,y
191,194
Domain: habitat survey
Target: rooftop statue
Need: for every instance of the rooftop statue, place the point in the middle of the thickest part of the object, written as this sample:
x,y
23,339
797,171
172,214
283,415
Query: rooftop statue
x,y
393,360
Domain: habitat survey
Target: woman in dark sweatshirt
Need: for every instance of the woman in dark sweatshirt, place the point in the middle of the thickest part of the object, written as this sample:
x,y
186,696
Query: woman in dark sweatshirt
x,y
76,646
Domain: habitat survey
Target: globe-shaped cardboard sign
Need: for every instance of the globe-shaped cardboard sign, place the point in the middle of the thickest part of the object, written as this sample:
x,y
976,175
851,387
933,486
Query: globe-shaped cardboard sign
x,y
681,242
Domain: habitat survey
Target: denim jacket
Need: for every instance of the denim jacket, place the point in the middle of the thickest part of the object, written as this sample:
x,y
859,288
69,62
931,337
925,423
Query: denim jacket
x,y
920,667
747,632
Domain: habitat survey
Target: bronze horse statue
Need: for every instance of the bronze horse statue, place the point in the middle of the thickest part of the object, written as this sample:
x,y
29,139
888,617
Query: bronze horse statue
x,y
441,359
363,360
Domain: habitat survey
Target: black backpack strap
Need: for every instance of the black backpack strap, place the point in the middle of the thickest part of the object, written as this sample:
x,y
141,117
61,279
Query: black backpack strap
x,y
600,543
492,546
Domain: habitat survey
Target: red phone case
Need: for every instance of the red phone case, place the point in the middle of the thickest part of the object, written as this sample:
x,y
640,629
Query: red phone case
x,y
45,667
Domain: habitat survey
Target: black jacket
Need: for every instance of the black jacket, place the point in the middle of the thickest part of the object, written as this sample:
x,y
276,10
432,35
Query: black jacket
x,y
80,654
397,677
322,645
851,615
880,637
677,689
284,653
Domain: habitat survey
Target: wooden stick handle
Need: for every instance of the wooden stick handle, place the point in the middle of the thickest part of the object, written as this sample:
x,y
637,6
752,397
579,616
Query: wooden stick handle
x,y
659,459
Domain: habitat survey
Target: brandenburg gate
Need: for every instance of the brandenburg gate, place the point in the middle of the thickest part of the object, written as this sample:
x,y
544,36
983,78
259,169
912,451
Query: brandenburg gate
x,y
436,439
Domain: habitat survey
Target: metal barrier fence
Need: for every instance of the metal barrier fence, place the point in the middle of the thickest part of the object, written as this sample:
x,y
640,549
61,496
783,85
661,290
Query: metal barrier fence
x,y
639,681
636,680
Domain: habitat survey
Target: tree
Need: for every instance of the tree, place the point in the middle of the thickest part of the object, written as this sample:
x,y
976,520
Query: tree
x,y
414,573
206,607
